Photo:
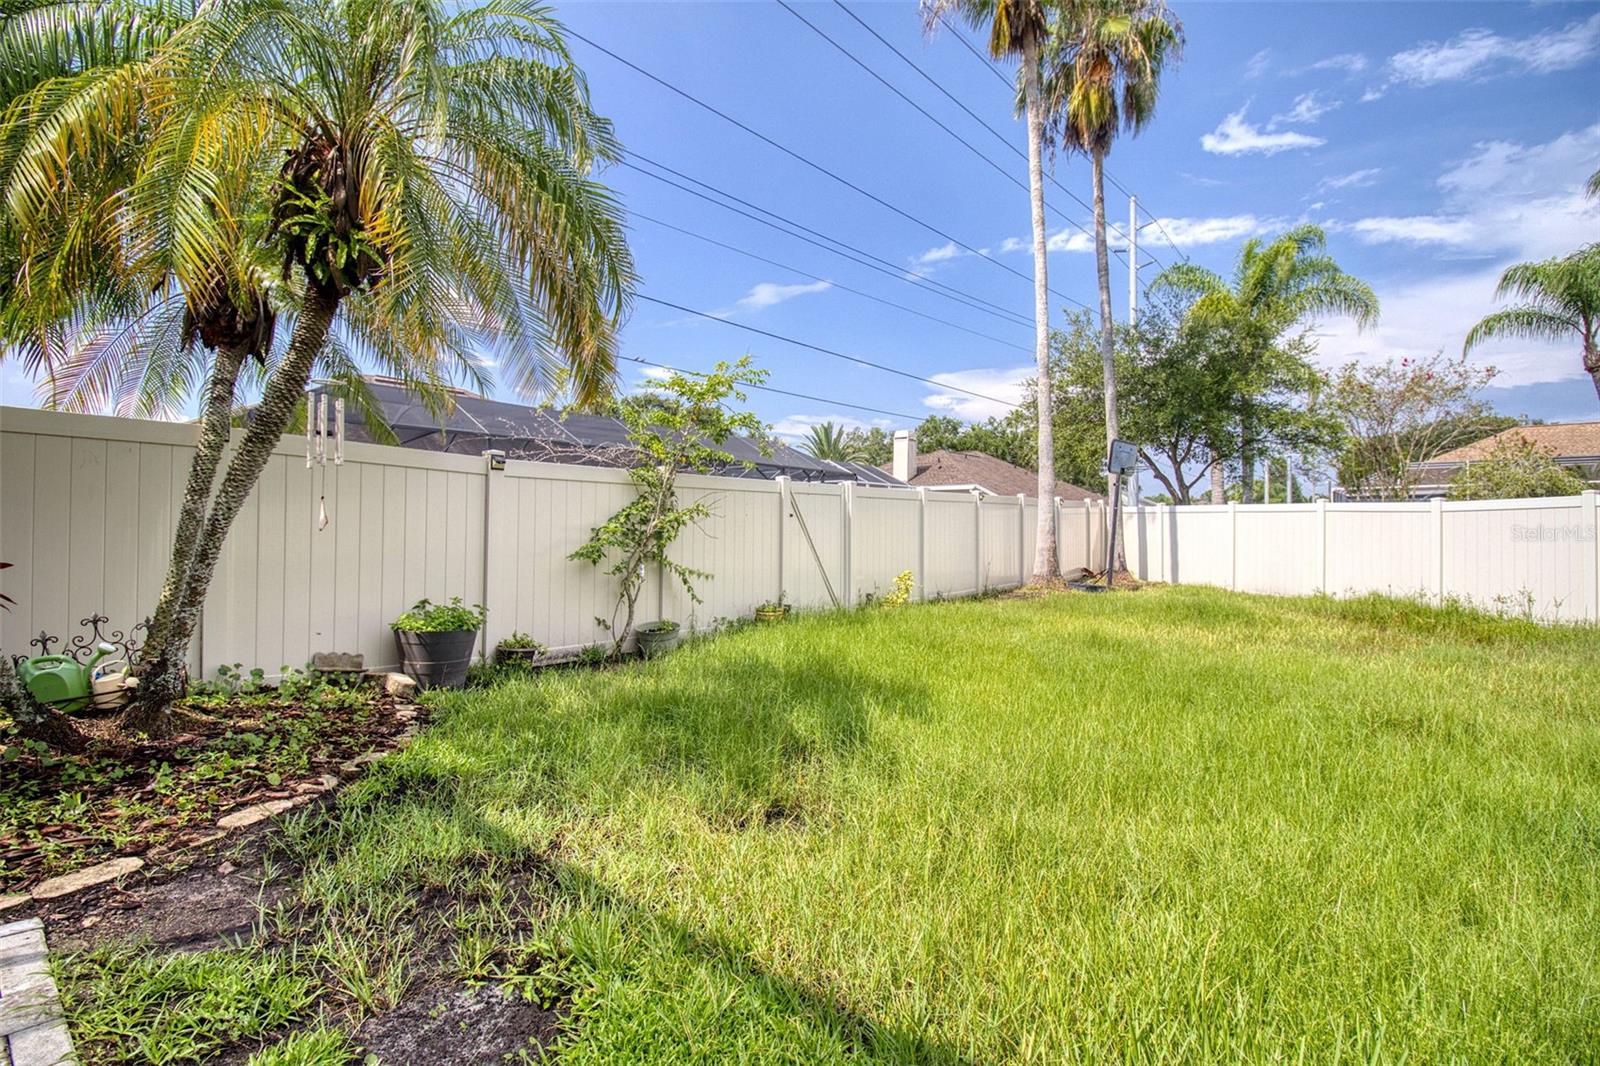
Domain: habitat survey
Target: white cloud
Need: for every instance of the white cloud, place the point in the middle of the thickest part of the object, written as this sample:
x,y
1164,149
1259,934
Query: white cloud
x,y
999,388
942,254
1481,53
796,427
770,294
1505,203
655,373
1414,229
1356,179
1258,63
1235,136
1184,232
1307,108
1350,62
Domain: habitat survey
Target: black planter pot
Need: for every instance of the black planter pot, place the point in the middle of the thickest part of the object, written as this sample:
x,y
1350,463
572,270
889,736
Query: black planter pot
x,y
436,660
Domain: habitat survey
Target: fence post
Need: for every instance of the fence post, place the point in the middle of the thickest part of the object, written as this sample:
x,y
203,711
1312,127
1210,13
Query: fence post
x,y
922,544
977,553
1436,505
499,552
1322,546
783,527
847,563
1588,528
1233,545
1022,539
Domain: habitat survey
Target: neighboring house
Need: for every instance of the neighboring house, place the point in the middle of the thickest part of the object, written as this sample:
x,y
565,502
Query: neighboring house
x,y
474,425
953,471
1574,445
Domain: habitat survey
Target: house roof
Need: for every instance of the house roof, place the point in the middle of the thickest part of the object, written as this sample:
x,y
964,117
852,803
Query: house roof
x,y
993,475
1567,440
475,423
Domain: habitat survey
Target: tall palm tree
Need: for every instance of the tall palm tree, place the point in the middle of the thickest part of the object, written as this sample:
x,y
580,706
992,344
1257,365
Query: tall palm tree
x,y
416,174
1103,66
1018,29
1276,285
1560,300
828,441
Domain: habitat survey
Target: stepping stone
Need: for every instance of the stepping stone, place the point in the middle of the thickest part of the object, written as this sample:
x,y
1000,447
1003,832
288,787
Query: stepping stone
x,y
33,1031
259,812
88,877
10,903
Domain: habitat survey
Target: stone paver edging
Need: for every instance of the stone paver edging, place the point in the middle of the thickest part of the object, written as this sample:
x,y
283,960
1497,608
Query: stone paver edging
x,y
33,1031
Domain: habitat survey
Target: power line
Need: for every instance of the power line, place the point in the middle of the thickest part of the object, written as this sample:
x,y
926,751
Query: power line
x,y
828,281
1019,183
825,351
851,252
818,167
1002,138
783,392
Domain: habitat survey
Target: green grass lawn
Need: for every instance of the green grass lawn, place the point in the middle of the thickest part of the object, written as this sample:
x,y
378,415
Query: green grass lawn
x,y
1170,825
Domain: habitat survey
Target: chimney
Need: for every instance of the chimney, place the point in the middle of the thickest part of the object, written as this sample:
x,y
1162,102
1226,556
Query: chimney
x,y
905,455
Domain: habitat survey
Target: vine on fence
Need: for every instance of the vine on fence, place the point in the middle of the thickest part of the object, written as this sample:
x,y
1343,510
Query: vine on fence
x,y
679,423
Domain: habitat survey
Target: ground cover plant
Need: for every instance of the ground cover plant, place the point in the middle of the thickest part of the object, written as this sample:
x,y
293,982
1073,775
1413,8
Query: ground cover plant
x,y
239,741
1173,824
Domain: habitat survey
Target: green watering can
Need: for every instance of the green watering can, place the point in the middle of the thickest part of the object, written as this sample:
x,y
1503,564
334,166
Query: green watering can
x,y
60,681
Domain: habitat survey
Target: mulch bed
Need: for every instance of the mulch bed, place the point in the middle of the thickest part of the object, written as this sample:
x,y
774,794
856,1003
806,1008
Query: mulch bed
x,y
158,799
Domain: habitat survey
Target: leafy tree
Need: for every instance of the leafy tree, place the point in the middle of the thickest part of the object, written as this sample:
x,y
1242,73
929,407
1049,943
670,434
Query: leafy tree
x,y
1019,29
1276,285
828,441
1560,302
1103,66
680,423
1400,413
413,176
1010,438
872,443
1176,393
1515,469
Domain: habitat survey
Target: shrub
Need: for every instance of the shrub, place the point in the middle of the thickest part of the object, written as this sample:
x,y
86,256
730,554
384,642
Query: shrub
x,y
453,617
1515,469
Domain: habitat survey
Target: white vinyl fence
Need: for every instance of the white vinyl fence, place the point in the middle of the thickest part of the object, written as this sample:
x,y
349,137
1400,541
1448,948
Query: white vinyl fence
x,y
1538,557
87,507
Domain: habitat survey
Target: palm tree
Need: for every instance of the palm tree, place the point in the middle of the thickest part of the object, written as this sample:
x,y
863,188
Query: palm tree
x,y
1560,300
828,441
1018,29
414,173
1276,285
1103,68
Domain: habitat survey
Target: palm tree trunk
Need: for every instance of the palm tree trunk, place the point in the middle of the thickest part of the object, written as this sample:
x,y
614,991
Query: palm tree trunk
x,y
151,711
1045,563
216,423
1219,481
1108,366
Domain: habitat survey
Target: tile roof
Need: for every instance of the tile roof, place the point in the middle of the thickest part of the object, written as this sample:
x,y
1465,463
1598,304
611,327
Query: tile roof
x,y
995,475
1565,439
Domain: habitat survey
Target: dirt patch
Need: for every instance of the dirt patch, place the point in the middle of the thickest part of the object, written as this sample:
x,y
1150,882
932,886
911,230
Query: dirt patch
x,y
216,898
460,1025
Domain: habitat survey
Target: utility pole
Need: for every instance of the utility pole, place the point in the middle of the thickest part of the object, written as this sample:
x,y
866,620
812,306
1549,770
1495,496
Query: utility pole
x,y
1133,260
1288,479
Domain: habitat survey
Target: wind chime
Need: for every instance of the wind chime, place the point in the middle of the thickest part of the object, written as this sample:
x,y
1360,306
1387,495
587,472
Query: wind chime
x,y
317,449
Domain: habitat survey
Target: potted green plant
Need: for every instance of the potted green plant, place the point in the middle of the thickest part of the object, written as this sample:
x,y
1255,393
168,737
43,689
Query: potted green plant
x,y
773,610
656,638
436,641
519,649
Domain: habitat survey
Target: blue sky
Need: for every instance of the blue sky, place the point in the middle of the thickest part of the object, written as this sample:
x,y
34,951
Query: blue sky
x,y
1437,142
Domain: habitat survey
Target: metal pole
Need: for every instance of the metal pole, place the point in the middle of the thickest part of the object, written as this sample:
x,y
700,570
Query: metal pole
x,y
1133,260
1288,479
1266,480
1111,537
